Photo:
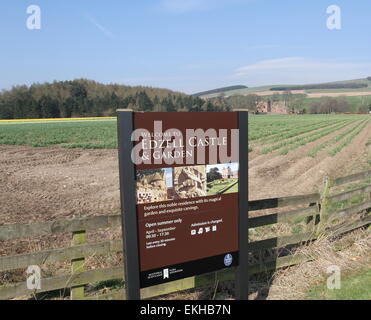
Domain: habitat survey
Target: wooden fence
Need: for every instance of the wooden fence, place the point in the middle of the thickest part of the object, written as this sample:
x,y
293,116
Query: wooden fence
x,y
315,210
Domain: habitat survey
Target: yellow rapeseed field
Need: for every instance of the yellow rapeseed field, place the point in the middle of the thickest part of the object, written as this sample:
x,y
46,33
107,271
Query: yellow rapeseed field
x,y
56,119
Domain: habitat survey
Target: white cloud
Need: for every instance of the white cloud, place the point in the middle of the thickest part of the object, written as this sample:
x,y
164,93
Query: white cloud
x,y
300,70
101,28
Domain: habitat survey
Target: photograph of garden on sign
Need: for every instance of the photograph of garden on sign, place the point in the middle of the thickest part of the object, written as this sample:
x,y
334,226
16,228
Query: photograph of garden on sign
x,y
222,178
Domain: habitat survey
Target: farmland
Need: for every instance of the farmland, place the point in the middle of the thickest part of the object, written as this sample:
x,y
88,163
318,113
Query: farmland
x,y
101,134
294,155
88,134
55,170
77,160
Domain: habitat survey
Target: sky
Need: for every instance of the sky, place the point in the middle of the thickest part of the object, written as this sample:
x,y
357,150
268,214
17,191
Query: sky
x,y
233,166
184,45
169,177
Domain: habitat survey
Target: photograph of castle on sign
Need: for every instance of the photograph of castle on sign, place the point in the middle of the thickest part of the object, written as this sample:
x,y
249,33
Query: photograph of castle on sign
x,y
154,185
189,182
222,178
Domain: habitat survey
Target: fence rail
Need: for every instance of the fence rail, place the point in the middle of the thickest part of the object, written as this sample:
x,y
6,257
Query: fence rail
x,y
316,211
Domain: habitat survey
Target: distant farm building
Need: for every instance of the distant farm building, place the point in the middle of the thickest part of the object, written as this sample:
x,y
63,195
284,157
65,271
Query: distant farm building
x,y
269,107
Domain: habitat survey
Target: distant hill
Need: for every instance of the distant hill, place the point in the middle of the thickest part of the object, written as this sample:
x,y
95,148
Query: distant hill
x,y
339,85
357,85
219,90
344,96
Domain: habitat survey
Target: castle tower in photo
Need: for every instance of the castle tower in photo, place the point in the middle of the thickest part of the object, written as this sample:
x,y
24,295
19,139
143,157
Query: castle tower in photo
x,y
227,173
189,182
152,187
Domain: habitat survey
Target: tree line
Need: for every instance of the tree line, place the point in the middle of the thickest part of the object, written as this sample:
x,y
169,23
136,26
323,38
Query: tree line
x,y
82,97
332,105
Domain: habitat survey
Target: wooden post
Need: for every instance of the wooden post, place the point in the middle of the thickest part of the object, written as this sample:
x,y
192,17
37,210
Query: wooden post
x,y
78,238
312,221
325,203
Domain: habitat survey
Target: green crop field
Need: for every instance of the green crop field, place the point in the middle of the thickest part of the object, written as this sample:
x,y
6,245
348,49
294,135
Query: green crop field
x,y
88,134
283,134
279,134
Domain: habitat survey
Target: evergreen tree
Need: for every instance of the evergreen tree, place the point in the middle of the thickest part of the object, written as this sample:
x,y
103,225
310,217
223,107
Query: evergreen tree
x,y
144,103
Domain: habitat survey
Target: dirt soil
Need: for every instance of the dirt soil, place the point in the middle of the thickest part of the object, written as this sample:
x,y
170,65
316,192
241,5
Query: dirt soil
x,y
40,184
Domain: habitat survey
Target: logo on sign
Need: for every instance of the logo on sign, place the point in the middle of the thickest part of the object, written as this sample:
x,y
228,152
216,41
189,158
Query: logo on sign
x,y
166,273
228,260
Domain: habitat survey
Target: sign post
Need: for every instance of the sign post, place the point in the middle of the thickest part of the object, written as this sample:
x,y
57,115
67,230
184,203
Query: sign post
x,y
242,277
183,181
128,204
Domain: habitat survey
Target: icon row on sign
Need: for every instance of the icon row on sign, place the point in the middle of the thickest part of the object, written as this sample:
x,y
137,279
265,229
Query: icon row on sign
x,y
203,230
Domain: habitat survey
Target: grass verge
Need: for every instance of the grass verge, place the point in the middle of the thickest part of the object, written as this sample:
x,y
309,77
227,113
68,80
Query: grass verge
x,y
353,287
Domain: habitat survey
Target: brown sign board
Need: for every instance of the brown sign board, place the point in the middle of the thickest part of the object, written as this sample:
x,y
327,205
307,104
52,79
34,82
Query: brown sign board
x,y
186,168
